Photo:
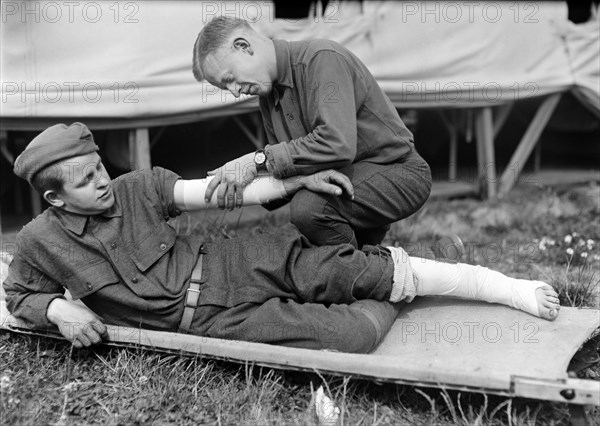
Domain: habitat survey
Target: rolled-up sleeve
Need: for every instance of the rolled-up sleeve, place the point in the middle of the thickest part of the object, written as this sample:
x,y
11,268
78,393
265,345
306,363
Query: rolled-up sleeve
x,y
29,291
332,94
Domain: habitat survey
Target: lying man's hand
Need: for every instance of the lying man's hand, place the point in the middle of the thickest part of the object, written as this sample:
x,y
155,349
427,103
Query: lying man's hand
x,y
77,323
329,182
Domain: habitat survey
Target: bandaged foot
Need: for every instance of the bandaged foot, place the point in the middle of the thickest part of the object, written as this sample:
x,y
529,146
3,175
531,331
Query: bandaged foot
x,y
433,278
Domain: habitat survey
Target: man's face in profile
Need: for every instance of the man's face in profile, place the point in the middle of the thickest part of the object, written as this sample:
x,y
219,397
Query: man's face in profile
x,y
239,69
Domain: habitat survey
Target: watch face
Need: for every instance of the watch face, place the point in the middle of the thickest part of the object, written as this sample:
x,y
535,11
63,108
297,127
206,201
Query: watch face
x,y
260,157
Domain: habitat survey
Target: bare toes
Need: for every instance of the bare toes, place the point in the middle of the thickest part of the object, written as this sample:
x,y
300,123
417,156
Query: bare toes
x,y
548,304
549,314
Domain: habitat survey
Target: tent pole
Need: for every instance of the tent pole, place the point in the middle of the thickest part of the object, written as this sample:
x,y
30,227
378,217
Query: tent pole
x,y
485,152
452,162
139,148
503,112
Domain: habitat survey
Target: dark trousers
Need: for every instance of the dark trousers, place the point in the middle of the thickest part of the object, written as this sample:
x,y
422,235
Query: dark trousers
x,y
383,194
281,289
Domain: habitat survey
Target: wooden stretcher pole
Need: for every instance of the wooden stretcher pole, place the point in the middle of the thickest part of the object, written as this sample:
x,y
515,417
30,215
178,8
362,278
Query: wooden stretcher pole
x,y
519,158
572,391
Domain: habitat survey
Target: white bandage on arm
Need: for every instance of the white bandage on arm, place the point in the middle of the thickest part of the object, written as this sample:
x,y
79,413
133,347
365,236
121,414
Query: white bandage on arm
x,y
261,190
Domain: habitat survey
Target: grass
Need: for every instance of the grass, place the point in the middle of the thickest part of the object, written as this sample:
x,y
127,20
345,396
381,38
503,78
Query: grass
x,y
45,381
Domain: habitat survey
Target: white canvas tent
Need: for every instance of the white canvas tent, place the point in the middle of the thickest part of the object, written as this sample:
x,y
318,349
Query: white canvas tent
x,y
100,61
128,64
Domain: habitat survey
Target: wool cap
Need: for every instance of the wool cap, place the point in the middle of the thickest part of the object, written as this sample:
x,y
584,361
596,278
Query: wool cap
x,y
56,143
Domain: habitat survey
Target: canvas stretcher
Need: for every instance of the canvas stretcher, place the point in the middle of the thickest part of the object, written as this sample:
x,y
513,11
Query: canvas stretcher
x,y
434,342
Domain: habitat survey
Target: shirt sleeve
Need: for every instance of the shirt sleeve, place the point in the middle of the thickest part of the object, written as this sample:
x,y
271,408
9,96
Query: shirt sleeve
x,y
164,184
29,291
333,92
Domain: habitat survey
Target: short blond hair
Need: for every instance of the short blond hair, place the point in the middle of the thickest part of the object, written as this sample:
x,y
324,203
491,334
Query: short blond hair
x,y
213,36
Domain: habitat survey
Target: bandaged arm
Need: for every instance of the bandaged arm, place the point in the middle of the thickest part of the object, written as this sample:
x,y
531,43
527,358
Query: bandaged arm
x,y
189,194
262,190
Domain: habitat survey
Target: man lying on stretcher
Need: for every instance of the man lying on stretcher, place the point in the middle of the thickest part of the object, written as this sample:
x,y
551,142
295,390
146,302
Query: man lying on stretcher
x,y
108,242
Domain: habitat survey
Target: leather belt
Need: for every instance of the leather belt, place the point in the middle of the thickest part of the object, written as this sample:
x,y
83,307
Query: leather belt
x,y
192,297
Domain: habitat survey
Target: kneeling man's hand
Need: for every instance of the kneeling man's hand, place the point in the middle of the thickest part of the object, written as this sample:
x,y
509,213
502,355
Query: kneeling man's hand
x,y
230,180
77,323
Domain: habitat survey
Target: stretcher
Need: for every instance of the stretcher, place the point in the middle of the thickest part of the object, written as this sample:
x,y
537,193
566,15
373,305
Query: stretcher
x,y
434,342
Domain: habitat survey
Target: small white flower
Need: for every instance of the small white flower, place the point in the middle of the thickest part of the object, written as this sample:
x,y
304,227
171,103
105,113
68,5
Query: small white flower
x,y
71,386
570,251
5,384
546,241
590,244
584,254
580,243
568,238
597,257
575,234
142,380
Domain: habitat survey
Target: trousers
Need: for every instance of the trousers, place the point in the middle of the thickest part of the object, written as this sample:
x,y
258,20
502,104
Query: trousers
x,y
383,194
281,289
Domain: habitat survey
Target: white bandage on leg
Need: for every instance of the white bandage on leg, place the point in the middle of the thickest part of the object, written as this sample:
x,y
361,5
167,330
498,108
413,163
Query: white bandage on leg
x,y
261,190
403,286
474,282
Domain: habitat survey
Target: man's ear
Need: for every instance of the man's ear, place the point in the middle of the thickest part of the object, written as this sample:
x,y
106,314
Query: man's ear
x,y
53,198
242,44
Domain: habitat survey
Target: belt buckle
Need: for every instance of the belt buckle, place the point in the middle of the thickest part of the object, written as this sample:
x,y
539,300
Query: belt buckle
x,y
188,302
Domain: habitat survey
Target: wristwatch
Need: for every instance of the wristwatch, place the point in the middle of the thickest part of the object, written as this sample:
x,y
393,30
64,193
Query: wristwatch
x,y
260,160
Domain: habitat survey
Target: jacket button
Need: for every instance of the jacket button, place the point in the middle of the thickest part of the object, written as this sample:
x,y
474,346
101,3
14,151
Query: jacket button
x,y
89,286
290,116
134,280
113,246
163,246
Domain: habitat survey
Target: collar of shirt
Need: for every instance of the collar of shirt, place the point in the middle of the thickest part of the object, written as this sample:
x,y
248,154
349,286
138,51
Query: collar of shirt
x,y
284,69
76,222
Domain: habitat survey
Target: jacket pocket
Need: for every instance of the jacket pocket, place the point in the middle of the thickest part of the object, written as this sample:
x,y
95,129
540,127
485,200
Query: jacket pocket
x,y
152,246
90,278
